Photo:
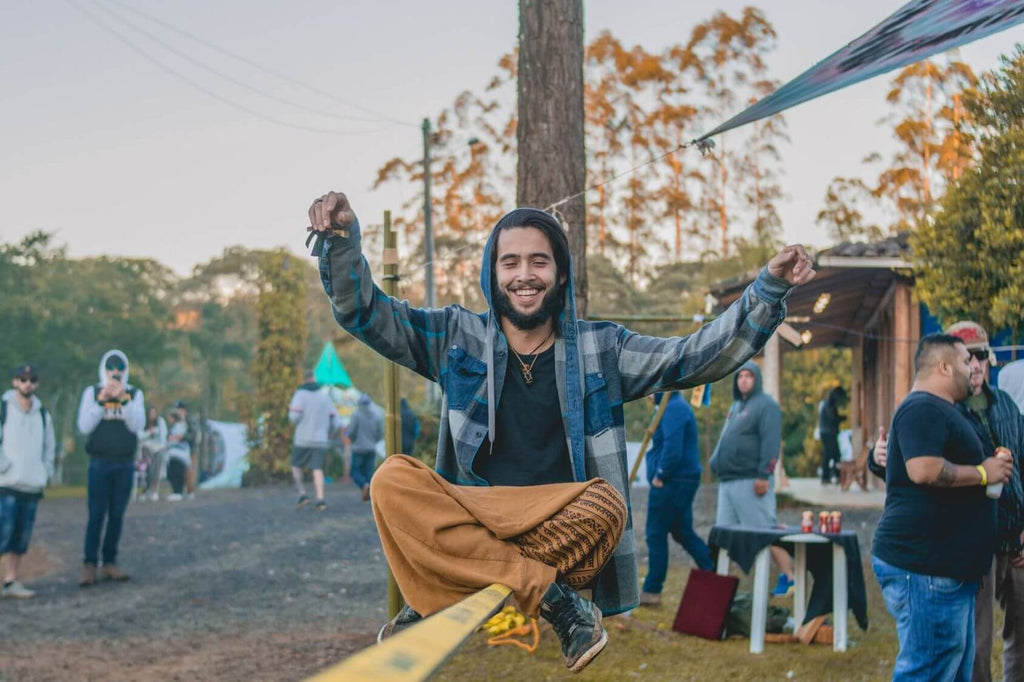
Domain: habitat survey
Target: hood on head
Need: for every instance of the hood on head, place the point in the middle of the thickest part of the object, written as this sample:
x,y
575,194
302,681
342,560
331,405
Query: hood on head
x,y
751,366
364,400
547,223
103,361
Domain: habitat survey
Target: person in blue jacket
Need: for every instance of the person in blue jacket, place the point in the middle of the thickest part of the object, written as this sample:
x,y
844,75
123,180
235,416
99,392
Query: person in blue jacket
x,y
673,470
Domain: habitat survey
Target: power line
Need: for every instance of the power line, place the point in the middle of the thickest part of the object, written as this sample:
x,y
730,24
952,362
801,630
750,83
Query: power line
x,y
260,67
226,76
207,91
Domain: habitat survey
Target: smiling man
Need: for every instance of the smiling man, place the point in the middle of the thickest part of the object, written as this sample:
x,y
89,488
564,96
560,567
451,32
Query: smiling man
x,y
530,484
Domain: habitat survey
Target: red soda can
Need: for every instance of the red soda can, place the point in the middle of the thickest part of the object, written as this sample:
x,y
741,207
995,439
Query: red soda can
x,y
823,522
807,522
835,522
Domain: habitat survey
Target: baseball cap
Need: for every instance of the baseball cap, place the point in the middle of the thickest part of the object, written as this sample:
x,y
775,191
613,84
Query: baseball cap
x,y
974,337
26,369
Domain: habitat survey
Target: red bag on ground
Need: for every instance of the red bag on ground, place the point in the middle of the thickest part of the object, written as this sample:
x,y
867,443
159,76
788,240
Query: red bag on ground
x,y
705,604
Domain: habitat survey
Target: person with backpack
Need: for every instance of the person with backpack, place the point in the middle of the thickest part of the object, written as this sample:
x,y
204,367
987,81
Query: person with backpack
x,y
27,448
111,415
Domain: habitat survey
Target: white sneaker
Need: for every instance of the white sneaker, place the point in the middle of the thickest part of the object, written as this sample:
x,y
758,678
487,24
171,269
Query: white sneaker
x,y
154,497
16,591
174,497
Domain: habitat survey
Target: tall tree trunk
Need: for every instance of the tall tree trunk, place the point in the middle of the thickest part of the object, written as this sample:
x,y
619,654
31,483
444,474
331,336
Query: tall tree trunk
x,y
552,165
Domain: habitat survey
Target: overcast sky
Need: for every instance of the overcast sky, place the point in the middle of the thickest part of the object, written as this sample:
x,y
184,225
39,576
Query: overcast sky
x,y
121,157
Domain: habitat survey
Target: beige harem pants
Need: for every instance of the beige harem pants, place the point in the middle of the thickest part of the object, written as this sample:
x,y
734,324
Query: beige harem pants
x,y
445,542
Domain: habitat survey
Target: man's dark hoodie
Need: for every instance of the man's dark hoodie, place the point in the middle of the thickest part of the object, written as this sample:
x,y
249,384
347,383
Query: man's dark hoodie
x,y
750,440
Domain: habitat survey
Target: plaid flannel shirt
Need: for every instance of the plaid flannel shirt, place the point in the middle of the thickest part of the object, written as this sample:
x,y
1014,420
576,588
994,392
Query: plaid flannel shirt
x,y
599,367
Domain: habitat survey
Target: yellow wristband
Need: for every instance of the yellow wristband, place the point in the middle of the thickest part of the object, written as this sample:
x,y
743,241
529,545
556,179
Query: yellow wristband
x,y
984,474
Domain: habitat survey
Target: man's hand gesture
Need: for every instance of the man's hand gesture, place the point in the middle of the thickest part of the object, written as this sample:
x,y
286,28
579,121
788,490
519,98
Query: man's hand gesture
x,y
881,448
331,208
793,265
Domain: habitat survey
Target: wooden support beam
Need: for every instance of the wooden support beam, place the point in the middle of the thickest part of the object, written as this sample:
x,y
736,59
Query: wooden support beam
x,y
903,353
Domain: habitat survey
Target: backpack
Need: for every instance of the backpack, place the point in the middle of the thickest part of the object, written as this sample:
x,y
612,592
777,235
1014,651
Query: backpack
x,y
3,418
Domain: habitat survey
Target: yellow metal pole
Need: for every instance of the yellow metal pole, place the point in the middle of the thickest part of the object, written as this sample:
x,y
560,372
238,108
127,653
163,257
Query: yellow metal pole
x,y
392,425
655,420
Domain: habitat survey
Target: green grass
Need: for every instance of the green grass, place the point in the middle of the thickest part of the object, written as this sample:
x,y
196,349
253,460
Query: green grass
x,y
645,647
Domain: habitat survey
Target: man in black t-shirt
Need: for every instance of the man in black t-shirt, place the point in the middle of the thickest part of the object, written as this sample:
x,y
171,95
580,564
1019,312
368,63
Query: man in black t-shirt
x,y
937,534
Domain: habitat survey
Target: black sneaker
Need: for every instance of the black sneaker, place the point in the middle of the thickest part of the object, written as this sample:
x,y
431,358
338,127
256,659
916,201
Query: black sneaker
x,y
320,506
404,619
303,501
577,623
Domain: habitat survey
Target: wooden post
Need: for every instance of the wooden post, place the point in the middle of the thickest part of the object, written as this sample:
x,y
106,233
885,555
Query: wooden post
x,y
392,423
903,349
772,384
857,399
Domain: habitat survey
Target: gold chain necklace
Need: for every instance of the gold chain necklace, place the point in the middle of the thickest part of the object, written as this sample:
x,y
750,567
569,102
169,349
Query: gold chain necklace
x,y
527,370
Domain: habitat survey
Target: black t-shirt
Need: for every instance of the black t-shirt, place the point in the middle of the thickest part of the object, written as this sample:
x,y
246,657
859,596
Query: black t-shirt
x,y
529,444
949,532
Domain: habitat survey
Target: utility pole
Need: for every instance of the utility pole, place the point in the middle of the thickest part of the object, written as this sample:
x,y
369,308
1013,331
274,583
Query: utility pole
x,y
428,239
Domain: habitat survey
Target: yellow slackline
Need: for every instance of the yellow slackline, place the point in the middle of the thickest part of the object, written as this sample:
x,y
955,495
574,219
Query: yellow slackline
x,y
416,652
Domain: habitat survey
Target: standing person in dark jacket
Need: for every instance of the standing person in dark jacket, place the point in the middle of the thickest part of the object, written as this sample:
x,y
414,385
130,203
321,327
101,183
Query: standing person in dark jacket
x,y
829,419
111,414
673,470
744,461
410,428
365,430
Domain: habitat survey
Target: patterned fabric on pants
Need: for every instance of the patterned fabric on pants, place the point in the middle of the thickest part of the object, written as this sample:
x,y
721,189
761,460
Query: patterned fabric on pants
x,y
580,537
445,542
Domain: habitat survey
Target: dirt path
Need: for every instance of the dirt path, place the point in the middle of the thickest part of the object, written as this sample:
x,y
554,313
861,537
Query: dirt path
x,y
235,585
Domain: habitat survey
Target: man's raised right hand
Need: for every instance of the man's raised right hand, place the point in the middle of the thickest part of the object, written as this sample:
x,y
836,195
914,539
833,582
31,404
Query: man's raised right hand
x,y
331,209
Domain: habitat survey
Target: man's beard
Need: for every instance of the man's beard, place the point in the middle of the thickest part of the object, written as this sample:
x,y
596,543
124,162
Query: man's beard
x,y
27,392
549,308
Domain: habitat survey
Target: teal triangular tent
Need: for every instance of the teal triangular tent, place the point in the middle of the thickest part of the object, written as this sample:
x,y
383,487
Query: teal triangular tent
x,y
330,370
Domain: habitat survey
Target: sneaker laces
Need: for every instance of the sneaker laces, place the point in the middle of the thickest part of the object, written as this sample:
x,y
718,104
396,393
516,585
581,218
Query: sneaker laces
x,y
565,615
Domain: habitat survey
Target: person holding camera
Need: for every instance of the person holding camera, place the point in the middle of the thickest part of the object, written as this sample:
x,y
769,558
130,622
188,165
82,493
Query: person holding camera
x,y
111,415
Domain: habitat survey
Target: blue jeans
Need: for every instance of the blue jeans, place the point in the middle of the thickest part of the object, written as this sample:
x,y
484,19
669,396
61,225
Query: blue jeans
x,y
363,465
670,511
17,517
934,621
110,486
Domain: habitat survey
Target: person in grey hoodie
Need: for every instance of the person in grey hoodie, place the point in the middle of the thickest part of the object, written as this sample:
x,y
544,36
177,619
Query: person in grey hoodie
x,y
315,418
111,415
365,430
27,447
744,461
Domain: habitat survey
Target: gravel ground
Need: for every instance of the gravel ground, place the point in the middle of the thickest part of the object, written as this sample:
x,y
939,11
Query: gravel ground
x,y
234,585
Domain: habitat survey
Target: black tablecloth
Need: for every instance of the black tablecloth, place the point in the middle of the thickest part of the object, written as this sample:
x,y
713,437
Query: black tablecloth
x,y
742,544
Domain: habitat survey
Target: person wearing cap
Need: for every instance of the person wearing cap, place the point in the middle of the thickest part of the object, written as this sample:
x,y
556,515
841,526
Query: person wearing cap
x,y
111,414
529,487
27,448
997,422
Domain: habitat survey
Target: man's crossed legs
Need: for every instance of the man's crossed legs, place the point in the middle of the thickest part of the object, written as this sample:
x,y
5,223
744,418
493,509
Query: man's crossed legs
x,y
445,542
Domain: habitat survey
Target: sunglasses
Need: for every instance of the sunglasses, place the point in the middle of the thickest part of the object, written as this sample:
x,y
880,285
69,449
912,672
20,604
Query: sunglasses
x,y
115,365
980,354
28,380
